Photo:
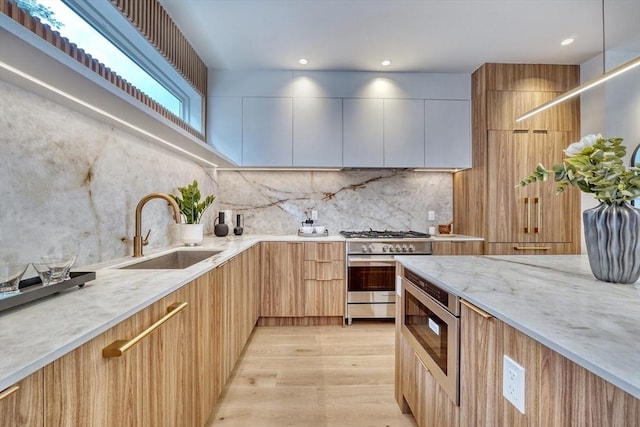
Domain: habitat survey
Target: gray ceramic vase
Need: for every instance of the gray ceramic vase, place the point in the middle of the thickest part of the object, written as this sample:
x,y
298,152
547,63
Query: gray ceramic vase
x,y
612,236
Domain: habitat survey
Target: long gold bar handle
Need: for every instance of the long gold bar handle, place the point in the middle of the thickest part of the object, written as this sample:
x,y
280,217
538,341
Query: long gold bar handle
x,y
528,209
532,248
119,347
9,391
537,202
476,309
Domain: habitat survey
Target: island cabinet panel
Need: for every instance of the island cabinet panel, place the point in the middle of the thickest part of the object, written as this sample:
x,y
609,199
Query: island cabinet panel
x,y
429,404
572,396
441,247
282,291
22,404
324,271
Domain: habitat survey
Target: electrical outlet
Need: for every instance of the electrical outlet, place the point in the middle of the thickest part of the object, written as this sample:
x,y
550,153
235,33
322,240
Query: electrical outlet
x,y
432,216
513,383
314,215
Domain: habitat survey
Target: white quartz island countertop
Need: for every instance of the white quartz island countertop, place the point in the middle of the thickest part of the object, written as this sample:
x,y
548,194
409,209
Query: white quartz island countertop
x,y
554,300
36,334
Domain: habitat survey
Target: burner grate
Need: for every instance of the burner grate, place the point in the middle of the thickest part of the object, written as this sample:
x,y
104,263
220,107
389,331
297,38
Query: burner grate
x,y
386,234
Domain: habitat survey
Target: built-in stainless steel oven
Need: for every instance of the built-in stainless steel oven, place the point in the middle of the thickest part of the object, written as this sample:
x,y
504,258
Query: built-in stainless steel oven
x,y
371,282
431,324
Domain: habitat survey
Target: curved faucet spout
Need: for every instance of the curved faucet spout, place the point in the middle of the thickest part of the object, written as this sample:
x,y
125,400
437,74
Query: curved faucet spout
x,y
138,241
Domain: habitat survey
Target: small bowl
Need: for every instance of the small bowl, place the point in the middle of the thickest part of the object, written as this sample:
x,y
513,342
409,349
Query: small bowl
x,y
320,229
306,229
10,275
54,269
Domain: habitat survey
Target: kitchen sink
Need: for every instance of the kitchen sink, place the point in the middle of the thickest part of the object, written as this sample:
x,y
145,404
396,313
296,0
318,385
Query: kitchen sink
x,y
172,261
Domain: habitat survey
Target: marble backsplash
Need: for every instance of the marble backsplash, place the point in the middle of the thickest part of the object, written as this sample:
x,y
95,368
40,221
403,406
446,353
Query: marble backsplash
x,y
277,201
71,183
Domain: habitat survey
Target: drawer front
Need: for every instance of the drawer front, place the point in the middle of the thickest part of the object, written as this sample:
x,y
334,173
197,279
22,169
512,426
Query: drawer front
x,y
324,270
328,251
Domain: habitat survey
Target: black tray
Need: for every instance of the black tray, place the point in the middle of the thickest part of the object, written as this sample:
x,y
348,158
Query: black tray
x,y
32,289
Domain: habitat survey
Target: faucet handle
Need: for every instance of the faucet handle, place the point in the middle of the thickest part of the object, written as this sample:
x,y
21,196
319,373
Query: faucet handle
x,y
145,241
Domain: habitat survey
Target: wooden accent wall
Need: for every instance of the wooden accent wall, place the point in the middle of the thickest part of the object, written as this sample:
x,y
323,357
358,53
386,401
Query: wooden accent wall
x,y
44,31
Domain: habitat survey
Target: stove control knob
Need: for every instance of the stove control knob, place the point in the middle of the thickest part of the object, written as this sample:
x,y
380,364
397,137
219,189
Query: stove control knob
x,y
364,248
385,248
371,248
398,248
412,248
391,248
405,248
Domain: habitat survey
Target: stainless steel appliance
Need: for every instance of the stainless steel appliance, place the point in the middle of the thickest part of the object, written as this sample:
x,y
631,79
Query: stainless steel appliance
x,y
431,324
371,283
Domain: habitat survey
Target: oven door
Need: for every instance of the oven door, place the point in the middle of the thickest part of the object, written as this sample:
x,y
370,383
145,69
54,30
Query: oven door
x,y
434,334
371,273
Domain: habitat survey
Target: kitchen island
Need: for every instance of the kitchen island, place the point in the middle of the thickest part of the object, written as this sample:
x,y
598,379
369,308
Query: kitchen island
x,y
564,320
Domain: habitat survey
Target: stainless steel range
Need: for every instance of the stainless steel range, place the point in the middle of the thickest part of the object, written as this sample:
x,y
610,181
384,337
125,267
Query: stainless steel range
x,y
371,282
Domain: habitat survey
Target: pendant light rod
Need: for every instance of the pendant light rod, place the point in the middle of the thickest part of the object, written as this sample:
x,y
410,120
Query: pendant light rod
x,y
582,88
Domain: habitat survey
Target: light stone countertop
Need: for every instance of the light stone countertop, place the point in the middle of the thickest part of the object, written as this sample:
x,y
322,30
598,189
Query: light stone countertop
x,y
36,334
554,300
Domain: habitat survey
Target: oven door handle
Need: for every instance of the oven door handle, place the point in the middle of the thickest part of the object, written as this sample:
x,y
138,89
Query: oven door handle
x,y
371,262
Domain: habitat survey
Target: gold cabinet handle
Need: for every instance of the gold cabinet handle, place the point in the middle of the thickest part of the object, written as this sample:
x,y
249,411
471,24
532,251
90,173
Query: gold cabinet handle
x,y
532,248
536,201
119,347
9,391
528,209
476,309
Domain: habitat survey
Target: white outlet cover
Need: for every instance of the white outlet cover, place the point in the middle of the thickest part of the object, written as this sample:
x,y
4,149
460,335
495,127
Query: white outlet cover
x,y
432,215
314,215
513,383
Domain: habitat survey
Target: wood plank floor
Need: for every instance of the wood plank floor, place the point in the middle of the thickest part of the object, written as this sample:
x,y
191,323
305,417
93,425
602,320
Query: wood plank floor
x,y
314,376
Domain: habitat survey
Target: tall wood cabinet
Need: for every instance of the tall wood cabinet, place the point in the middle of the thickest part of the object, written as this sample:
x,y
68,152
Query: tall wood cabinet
x,y
487,203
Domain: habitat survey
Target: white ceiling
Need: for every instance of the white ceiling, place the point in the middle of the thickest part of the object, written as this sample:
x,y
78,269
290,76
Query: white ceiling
x,y
417,35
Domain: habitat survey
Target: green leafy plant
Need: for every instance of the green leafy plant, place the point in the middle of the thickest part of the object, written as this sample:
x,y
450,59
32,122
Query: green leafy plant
x,y
190,205
594,165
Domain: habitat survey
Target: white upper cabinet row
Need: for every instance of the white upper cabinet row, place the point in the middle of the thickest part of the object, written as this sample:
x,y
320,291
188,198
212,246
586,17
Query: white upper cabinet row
x,y
309,126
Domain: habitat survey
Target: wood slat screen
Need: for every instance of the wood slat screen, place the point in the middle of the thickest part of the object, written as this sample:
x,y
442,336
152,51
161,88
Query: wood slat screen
x,y
153,22
22,17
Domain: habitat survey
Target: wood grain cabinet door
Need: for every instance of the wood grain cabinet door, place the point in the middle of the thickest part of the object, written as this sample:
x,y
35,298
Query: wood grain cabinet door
x,y
22,404
282,279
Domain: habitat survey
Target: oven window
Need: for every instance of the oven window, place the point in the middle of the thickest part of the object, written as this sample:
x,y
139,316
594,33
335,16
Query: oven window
x,y
371,279
430,331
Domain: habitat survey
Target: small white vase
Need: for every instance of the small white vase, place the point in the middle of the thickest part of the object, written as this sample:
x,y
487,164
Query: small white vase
x,y
191,234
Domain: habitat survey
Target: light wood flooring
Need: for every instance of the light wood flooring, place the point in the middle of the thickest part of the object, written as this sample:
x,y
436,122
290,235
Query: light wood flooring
x,y
314,376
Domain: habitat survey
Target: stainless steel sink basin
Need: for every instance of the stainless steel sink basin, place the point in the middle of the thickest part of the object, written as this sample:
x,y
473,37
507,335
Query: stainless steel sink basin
x,y
172,261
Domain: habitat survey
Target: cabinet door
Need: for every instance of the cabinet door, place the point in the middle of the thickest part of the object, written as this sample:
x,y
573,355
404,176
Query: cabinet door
x,y
504,106
534,213
403,133
282,280
266,132
447,134
225,126
457,248
317,132
362,133
22,404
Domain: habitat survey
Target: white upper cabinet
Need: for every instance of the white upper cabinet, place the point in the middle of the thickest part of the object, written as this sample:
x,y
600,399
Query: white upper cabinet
x,y
317,132
362,133
403,133
267,132
447,134
225,126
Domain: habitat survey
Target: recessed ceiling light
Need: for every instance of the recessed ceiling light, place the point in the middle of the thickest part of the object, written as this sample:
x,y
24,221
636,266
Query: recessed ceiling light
x,y
386,63
303,61
567,41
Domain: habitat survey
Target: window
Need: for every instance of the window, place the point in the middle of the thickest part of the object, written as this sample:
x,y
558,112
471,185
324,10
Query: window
x,y
98,28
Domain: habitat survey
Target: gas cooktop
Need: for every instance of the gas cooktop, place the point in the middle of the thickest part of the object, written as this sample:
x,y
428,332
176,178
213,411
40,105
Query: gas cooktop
x,y
386,234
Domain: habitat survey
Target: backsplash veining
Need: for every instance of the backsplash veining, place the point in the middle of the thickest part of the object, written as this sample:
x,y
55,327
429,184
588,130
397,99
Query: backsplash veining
x,y
69,182
276,201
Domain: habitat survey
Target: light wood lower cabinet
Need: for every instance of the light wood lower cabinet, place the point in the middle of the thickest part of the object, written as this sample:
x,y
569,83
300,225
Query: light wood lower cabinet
x,y
454,247
302,280
173,376
558,392
22,404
